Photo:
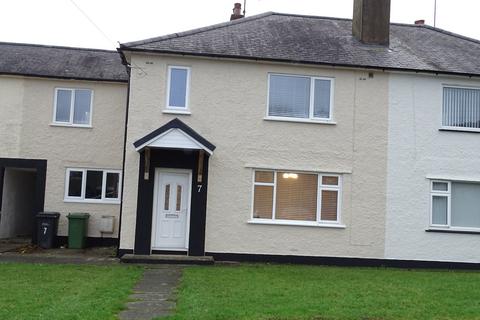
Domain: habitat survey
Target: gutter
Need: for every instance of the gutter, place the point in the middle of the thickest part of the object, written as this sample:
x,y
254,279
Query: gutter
x,y
290,61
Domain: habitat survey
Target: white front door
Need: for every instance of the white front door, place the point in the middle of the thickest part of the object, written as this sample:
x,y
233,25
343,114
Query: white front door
x,y
171,209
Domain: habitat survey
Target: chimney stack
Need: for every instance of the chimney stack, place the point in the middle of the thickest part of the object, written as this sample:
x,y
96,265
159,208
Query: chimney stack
x,y
237,12
371,21
420,22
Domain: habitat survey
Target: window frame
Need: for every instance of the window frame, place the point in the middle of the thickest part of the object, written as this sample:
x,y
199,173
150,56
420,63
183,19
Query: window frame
x,y
82,198
311,118
453,128
176,109
70,123
320,187
448,226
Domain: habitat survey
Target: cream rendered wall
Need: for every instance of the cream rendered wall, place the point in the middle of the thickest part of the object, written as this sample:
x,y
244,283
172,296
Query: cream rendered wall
x,y
416,150
99,147
11,110
228,106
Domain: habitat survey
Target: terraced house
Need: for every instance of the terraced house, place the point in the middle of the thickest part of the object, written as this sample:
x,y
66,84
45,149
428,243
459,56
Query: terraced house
x,y
272,137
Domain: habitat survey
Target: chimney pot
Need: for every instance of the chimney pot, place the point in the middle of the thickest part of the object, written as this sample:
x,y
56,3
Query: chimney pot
x,y
371,21
237,12
420,22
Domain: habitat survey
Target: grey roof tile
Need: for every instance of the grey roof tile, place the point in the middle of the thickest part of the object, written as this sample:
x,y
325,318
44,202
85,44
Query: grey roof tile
x,y
322,40
61,62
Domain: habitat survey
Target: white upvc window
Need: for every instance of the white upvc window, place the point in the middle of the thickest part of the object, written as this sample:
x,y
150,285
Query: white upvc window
x,y
461,108
455,205
296,198
178,88
92,185
300,98
73,107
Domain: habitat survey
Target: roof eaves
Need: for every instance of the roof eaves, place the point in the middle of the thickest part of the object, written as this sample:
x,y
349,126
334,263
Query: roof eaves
x,y
35,75
343,65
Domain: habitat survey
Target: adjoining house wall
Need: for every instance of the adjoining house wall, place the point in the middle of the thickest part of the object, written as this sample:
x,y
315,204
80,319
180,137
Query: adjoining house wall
x,y
11,107
17,217
99,147
416,150
228,102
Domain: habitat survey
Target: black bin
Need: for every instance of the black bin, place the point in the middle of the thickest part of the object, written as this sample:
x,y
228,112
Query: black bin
x,y
47,226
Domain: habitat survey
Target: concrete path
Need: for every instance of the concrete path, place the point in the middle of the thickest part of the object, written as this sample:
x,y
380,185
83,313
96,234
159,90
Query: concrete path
x,y
153,295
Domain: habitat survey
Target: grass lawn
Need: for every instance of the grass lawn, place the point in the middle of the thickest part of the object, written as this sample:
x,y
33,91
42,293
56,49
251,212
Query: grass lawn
x,y
36,291
313,292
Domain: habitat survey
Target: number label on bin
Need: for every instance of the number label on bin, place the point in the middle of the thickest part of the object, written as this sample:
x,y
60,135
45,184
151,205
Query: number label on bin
x,y
45,228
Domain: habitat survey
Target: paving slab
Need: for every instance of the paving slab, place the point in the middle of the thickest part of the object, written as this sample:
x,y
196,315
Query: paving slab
x,y
153,295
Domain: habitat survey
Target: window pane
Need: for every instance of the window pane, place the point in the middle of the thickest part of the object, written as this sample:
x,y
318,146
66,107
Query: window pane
x,y
94,185
263,202
166,205
113,180
321,101
439,210
75,184
289,96
178,87
329,205
465,205
296,196
461,107
64,100
440,186
264,176
82,106
179,198
333,181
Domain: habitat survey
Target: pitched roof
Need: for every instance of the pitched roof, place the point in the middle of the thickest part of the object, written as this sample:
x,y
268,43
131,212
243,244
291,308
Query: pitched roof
x,y
174,124
61,62
321,40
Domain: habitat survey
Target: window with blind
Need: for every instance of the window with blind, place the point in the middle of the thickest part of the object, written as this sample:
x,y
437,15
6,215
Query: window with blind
x,y
292,196
300,97
455,204
461,108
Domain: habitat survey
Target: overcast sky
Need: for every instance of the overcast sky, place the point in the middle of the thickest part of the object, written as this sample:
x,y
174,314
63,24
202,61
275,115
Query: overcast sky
x,y
61,22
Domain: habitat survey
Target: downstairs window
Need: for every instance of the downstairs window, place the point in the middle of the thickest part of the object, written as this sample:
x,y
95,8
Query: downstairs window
x,y
282,196
455,204
92,185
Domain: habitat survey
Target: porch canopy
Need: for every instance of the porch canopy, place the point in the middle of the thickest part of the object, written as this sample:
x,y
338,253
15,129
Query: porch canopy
x,y
174,135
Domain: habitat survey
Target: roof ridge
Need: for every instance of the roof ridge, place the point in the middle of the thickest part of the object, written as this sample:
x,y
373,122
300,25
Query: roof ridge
x,y
196,30
54,46
450,33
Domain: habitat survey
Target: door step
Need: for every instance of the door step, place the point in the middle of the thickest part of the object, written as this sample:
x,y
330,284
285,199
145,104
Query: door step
x,y
166,259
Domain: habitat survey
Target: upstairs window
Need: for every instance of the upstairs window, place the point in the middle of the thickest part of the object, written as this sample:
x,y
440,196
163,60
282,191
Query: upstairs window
x,y
455,205
461,108
73,107
92,185
300,97
178,87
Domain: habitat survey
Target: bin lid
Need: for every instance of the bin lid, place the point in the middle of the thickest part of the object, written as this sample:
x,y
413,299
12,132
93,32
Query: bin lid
x,y
48,215
78,215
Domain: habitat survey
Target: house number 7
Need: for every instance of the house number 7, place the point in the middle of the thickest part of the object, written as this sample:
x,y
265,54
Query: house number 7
x,y
199,186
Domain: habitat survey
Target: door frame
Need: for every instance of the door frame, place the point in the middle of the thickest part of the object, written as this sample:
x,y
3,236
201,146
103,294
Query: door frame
x,y
158,172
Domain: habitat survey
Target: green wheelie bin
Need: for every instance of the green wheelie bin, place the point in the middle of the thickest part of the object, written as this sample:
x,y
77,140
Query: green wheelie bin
x,y
77,230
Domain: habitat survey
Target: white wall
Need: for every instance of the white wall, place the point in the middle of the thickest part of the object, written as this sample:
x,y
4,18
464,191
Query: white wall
x,y
228,104
17,217
417,149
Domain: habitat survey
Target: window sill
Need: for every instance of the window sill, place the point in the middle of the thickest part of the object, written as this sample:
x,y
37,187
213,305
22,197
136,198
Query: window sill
x,y
70,125
472,130
454,230
286,119
91,201
174,111
297,223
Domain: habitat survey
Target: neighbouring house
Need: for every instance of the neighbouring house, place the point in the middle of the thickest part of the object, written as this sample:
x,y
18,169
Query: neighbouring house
x,y
61,132
274,137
